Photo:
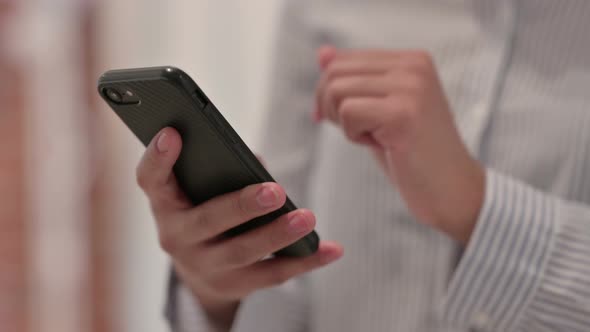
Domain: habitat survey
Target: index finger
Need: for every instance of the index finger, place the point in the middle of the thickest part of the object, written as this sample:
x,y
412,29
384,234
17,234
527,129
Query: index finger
x,y
222,213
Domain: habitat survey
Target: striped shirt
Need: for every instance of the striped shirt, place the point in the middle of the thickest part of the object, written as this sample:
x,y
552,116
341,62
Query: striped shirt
x,y
517,74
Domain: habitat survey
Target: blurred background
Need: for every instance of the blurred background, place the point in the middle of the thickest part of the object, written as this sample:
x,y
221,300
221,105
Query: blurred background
x,y
78,247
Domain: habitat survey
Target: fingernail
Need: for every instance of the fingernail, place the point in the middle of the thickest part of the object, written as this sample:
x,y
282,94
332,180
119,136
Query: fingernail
x,y
267,197
298,224
162,143
330,257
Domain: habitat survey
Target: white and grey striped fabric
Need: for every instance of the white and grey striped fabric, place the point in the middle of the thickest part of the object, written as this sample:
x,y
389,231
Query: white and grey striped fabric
x,y
517,73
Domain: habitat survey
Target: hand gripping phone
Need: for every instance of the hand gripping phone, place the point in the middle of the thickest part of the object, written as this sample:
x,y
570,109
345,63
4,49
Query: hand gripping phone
x,y
214,160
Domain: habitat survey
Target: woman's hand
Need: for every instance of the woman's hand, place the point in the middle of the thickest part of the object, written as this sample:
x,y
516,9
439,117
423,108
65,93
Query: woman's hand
x,y
220,271
393,103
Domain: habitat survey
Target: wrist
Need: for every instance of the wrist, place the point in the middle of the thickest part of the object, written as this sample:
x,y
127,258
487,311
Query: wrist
x,y
464,204
219,312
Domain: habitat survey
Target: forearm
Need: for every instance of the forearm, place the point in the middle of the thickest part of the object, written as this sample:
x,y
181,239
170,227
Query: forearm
x,y
219,313
193,316
184,313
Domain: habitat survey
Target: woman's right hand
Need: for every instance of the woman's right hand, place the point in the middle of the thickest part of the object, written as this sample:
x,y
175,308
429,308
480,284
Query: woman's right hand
x,y
220,272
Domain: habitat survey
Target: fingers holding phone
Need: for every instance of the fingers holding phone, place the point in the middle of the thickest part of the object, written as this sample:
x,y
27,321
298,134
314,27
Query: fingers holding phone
x,y
154,174
213,161
220,270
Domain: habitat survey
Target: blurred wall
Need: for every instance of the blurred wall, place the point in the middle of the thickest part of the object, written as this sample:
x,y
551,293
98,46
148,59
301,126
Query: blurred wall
x,y
225,46
13,267
44,47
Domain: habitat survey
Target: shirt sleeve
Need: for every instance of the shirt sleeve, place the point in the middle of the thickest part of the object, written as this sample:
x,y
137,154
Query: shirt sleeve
x,y
288,148
527,265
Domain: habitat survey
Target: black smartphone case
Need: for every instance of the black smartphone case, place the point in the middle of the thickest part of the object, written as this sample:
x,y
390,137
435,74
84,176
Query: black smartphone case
x,y
214,160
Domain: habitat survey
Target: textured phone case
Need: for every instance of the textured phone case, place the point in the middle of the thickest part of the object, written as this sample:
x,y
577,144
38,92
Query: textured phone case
x,y
213,160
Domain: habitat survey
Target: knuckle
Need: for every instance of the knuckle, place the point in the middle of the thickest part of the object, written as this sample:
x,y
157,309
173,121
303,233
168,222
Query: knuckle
x,y
279,276
351,136
202,220
382,135
240,204
168,243
331,91
160,202
278,238
423,58
345,123
405,111
347,120
331,72
144,171
142,178
238,254
347,106
345,112
245,202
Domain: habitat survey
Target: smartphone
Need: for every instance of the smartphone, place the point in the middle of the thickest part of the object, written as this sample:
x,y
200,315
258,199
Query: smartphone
x,y
214,160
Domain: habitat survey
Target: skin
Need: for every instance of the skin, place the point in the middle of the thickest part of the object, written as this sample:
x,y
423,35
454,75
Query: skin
x,y
220,272
391,102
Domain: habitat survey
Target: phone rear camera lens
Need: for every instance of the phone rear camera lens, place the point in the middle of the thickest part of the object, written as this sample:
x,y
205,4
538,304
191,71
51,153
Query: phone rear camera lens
x,y
114,96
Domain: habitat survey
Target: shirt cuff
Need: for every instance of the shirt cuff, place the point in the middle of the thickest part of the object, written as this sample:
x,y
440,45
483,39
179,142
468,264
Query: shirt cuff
x,y
562,302
503,264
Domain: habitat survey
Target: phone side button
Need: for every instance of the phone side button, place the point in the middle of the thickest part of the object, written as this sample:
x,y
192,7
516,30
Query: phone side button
x,y
200,99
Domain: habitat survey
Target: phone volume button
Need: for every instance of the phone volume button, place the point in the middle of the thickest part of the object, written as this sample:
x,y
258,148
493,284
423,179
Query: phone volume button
x,y
200,98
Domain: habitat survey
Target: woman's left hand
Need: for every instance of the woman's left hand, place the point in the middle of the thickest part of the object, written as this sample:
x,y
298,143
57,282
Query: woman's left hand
x,y
393,103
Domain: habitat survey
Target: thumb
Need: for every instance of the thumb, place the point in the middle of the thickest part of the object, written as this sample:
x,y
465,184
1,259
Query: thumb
x,y
154,172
